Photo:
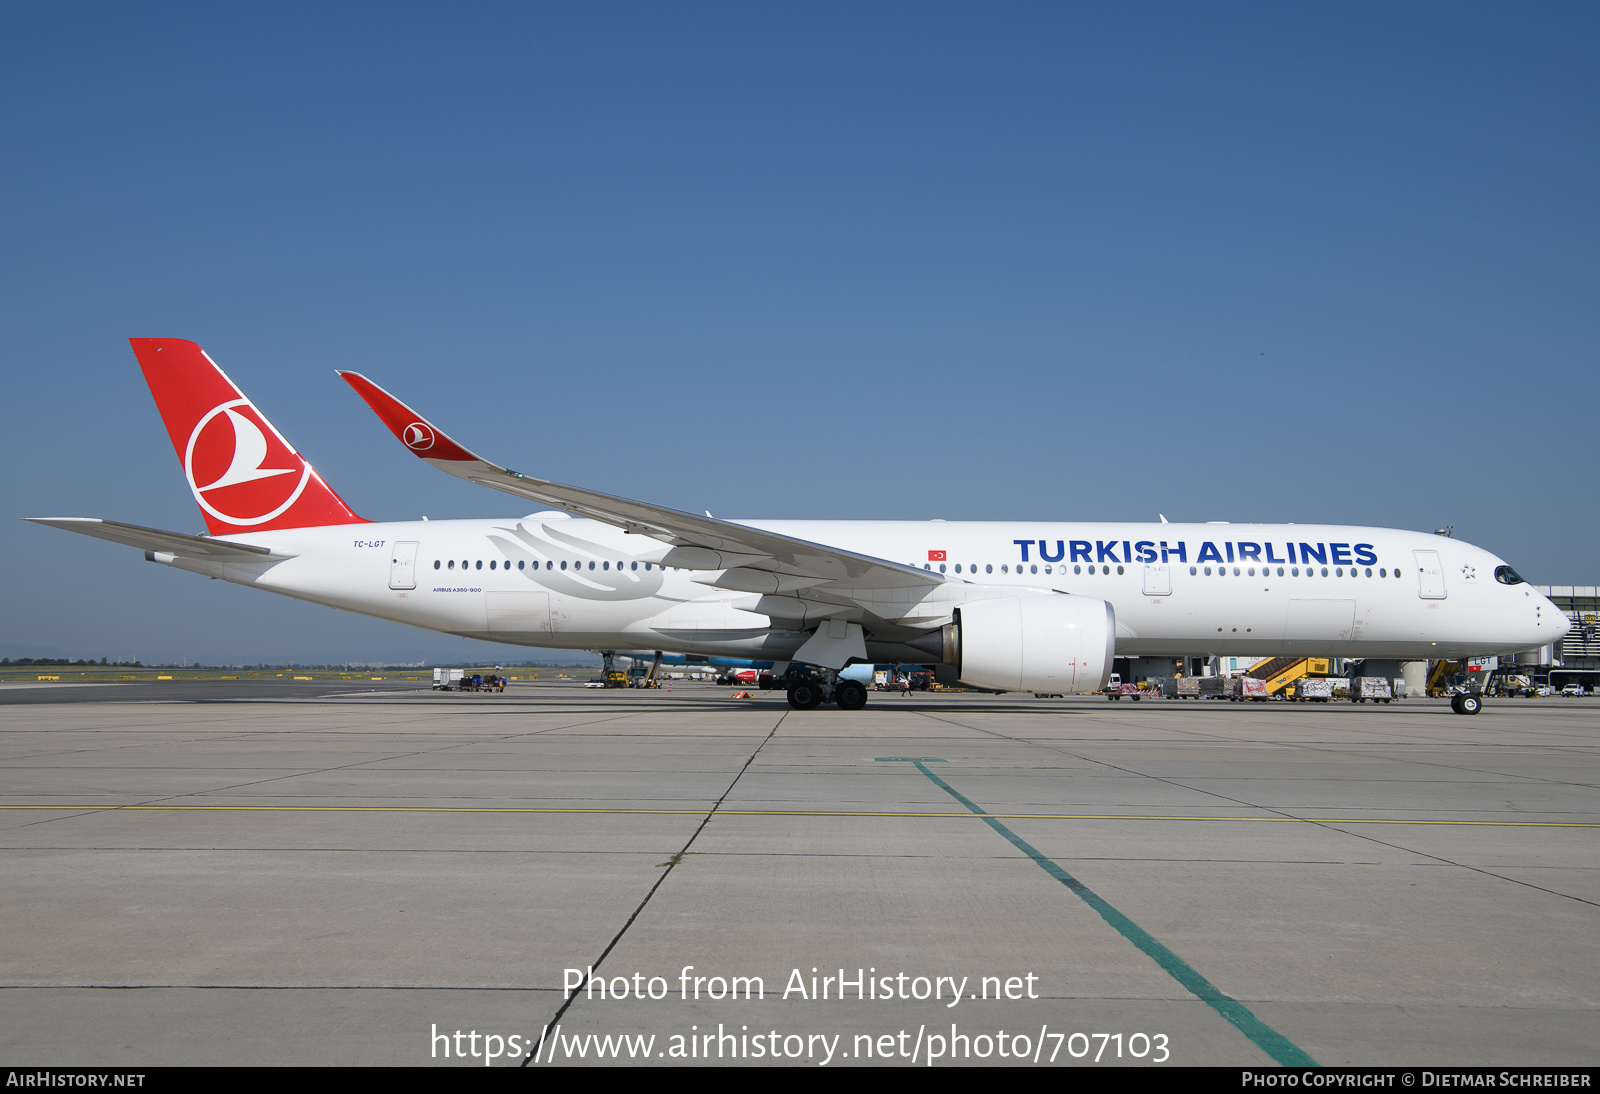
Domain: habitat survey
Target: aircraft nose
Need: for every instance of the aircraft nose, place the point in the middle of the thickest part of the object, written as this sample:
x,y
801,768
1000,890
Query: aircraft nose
x,y
1563,624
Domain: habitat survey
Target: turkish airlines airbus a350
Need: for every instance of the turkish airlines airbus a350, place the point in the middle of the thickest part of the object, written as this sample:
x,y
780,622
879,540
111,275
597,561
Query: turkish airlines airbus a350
x,y
1011,605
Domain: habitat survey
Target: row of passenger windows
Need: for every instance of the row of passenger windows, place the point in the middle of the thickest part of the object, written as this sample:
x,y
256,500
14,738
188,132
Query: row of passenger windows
x,y
1005,568
1294,571
1246,571
468,564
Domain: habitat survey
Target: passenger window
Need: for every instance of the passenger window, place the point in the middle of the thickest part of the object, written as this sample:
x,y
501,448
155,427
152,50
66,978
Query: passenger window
x,y
958,567
1033,569
1105,569
435,564
1324,571
633,565
1369,571
563,564
1119,569
988,568
1047,569
591,565
1252,571
605,565
1004,569
941,567
491,564
1191,571
1236,571
1208,571
452,564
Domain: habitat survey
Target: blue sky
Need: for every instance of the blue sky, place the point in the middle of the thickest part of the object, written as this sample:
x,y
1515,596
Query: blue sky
x,y
1225,262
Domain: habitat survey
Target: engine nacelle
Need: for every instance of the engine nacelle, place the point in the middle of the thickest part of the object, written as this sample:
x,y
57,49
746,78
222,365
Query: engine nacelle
x,y
1042,643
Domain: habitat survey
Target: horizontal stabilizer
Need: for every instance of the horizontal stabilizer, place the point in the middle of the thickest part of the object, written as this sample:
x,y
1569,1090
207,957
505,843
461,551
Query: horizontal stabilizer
x,y
154,539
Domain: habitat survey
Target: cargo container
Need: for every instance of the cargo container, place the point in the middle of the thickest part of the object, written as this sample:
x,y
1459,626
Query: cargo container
x,y
1242,688
1312,689
1181,687
1376,689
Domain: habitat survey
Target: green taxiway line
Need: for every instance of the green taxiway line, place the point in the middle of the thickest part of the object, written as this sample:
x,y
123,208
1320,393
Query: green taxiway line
x,y
1263,1036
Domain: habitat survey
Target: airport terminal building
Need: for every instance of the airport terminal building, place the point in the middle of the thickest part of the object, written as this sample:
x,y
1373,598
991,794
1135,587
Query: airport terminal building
x,y
1576,658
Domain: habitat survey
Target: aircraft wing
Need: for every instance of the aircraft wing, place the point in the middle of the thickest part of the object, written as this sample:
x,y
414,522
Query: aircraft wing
x,y
753,557
154,539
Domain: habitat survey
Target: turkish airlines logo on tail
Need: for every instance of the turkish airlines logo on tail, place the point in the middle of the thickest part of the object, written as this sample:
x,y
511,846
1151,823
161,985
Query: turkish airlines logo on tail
x,y
240,470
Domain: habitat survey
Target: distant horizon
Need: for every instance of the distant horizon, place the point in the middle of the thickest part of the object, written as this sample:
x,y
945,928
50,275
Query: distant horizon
x,y
364,665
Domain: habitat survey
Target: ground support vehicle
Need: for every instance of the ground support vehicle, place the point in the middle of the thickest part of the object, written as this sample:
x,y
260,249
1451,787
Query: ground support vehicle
x,y
1280,673
447,679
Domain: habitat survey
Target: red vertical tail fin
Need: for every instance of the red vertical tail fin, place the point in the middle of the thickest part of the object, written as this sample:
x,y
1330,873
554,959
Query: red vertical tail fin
x,y
244,474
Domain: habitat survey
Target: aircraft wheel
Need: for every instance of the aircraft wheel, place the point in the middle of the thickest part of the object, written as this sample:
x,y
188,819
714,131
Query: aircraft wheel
x,y
805,696
850,695
1466,704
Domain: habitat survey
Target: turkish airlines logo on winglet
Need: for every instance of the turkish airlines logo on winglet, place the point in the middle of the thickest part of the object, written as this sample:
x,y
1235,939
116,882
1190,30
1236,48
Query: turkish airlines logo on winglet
x,y
235,464
419,436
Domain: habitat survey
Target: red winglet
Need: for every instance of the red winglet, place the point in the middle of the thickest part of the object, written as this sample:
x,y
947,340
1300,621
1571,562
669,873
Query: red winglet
x,y
410,428
244,474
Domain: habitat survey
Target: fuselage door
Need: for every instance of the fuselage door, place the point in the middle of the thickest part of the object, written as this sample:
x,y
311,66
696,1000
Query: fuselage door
x,y
1158,579
1430,575
403,565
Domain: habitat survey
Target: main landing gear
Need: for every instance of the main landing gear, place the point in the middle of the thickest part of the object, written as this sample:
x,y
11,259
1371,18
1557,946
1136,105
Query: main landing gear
x,y
1466,704
809,690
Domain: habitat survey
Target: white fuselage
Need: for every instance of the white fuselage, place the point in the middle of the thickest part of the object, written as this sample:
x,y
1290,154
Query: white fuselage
x,y
1177,589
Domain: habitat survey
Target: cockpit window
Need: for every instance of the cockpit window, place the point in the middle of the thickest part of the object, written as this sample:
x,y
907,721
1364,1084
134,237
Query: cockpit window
x,y
1505,575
